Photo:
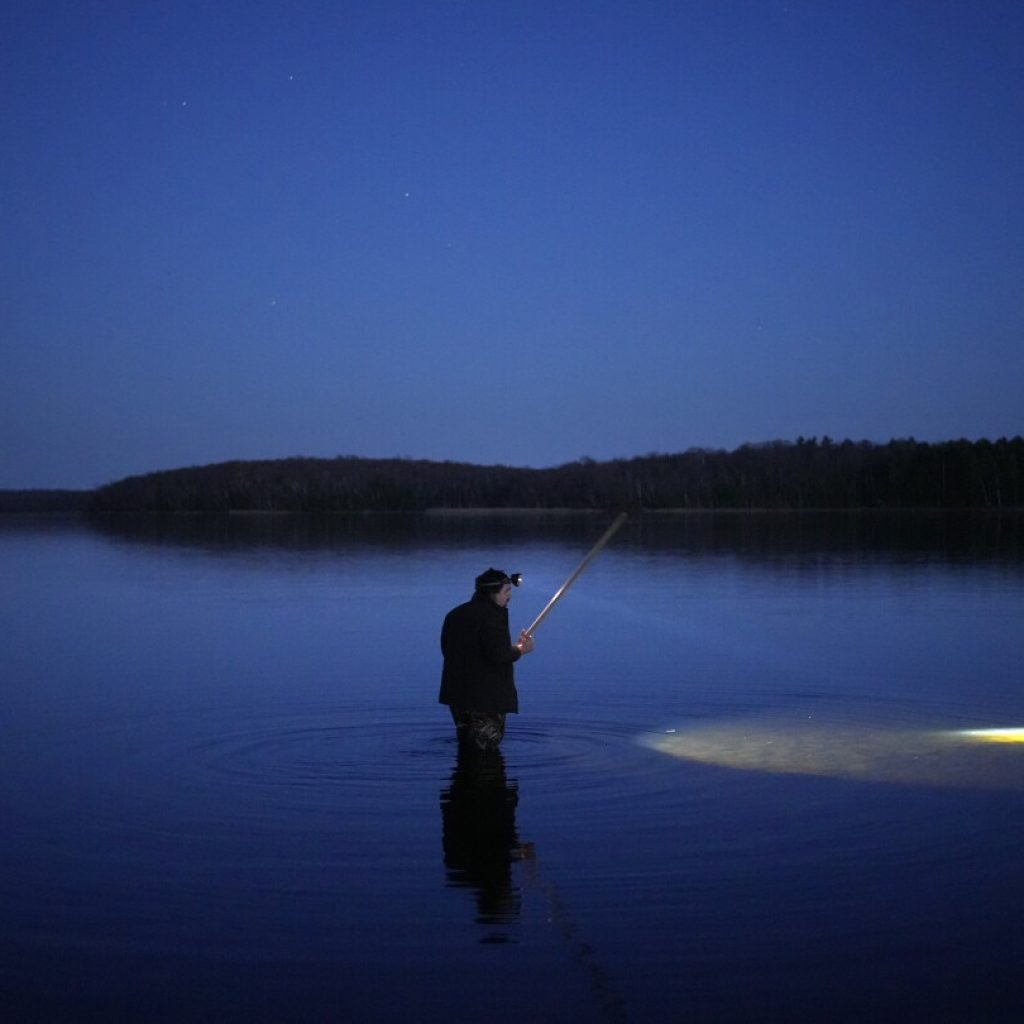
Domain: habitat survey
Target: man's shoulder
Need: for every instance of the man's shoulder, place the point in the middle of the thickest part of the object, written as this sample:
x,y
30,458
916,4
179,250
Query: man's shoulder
x,y
465,610
461,622
474,611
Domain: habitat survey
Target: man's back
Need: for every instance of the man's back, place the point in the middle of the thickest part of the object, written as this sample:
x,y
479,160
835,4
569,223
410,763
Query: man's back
x,y
478,658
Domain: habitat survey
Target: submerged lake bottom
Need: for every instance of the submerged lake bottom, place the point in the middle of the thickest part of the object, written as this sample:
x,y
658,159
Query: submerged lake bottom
x,y
764,771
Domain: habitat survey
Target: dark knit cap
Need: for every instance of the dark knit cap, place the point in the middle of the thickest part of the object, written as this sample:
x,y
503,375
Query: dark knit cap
x,y
493,579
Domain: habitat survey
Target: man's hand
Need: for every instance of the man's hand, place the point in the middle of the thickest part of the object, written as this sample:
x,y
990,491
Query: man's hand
x,y
525,644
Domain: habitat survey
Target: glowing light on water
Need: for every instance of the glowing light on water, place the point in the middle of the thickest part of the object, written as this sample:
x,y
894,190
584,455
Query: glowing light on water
x,y
841,750
995,735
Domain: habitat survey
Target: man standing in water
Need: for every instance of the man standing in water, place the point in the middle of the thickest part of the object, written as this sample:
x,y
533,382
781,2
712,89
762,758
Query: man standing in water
x,y
477,682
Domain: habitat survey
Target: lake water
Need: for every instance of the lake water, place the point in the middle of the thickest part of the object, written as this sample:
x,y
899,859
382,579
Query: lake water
x,y
742,786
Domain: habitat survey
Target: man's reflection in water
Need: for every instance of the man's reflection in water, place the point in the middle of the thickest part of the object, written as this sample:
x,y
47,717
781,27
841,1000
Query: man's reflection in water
x,y
478,816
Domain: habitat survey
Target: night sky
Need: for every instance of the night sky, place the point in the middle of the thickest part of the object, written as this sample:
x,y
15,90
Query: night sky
x,y
515,232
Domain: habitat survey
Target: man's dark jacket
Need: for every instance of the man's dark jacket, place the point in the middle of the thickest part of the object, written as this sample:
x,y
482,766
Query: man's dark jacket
x,y
478,658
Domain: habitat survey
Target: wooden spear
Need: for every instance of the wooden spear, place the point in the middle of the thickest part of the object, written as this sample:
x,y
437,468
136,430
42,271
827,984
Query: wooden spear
x,y
594,551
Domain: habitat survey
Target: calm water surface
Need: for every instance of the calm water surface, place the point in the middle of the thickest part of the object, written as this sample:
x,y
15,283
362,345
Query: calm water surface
x,y
738,790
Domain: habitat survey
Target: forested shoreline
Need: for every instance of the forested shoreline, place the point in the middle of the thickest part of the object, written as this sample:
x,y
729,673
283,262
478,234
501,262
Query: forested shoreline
x,y
802,474
65,502
805,474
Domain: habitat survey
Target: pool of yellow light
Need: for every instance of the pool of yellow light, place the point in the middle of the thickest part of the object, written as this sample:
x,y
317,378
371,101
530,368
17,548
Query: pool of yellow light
x,y
962,757
995,735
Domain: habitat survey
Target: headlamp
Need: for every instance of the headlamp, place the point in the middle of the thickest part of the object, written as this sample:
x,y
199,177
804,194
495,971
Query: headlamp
x,y
495,579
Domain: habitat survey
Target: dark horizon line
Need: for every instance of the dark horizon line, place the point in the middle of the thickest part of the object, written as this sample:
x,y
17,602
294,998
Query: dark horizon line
x,y
825,440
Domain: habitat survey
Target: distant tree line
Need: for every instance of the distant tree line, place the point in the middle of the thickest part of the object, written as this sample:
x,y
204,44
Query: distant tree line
x,y
805,474
45,501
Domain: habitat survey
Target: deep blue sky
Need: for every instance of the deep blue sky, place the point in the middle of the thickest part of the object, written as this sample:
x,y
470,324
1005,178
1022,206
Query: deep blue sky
x,y
517,232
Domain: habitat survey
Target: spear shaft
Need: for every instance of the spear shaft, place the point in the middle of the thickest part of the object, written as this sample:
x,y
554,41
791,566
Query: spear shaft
x,y
590,556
